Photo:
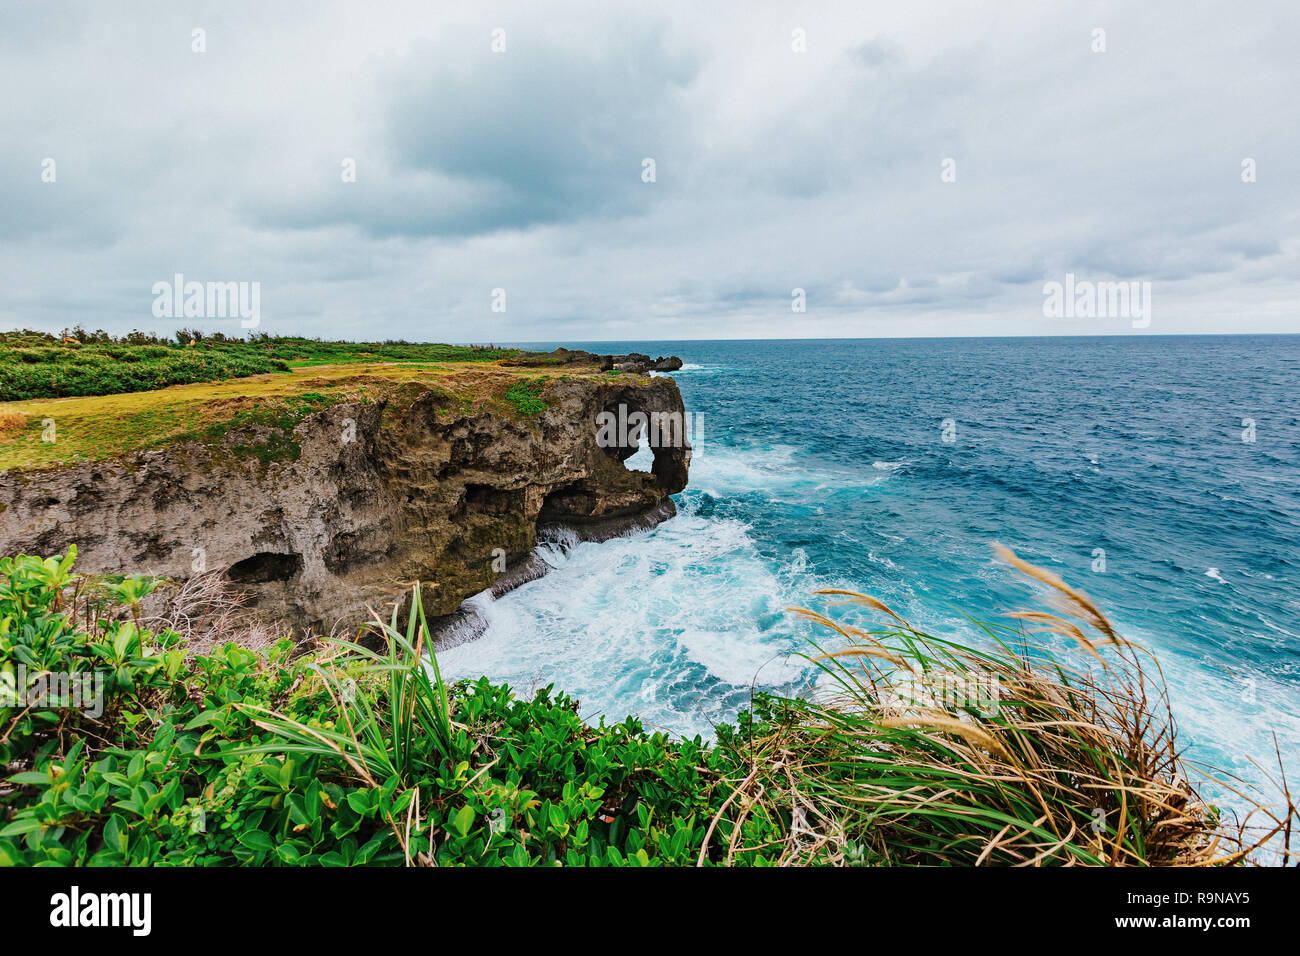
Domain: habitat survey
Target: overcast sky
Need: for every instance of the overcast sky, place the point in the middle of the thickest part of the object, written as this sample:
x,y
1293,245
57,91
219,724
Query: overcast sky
x,y
775,169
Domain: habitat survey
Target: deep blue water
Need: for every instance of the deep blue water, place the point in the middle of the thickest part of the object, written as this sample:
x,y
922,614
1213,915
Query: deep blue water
x,y
823,464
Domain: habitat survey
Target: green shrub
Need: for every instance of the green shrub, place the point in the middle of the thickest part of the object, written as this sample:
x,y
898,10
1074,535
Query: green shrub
x,y
525,396
59,371
345,758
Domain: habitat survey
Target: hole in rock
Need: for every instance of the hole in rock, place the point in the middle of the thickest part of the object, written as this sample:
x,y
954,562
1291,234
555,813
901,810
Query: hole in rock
x,y
264,567
643,458
488,500
624,435
563,503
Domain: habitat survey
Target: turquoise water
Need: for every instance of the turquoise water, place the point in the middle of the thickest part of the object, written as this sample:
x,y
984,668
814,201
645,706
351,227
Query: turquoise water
x,y
824,464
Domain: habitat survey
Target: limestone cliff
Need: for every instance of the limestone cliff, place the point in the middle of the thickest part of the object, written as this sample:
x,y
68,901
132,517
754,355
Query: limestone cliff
x,y
380,493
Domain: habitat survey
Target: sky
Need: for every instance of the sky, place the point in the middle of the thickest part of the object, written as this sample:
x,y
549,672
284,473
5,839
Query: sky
x,y
914,168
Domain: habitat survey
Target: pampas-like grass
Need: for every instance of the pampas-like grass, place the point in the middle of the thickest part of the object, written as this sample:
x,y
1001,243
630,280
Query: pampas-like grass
x,y
1072,760
11,420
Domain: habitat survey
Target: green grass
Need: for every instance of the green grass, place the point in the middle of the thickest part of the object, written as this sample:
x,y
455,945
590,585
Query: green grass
x,y
274,421
94,428
525,396
36,365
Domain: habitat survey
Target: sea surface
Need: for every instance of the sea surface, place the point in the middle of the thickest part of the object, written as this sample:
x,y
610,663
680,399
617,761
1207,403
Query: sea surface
x,y
825,464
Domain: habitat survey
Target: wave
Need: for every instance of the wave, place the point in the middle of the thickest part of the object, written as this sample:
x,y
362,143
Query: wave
x,y
689,368
674,626
784,474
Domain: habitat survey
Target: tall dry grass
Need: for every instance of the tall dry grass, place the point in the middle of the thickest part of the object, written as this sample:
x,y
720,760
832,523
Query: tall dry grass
x,y
917,750
208,611
11,420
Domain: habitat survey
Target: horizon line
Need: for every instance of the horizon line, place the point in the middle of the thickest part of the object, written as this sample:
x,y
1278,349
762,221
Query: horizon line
x,y
896,338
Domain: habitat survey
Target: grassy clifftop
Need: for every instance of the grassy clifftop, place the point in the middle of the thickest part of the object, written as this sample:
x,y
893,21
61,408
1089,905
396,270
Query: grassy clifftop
x,y
50,431
39,365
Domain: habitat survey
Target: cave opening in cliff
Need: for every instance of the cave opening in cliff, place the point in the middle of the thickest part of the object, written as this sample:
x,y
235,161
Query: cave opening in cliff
x,y
564,502
265,567
487,499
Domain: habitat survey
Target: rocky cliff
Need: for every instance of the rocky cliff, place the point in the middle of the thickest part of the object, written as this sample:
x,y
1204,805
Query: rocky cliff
x,y
380,493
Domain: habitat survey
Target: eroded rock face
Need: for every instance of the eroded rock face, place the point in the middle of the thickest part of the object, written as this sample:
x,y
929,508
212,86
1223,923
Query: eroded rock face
x,y
419,494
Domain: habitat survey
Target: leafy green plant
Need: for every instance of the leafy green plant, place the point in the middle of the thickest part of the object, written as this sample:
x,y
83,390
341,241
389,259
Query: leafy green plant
x,y
344,757
525,395
40,603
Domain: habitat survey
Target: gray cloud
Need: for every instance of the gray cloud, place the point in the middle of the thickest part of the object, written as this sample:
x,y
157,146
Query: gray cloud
x,y
775,169
474,141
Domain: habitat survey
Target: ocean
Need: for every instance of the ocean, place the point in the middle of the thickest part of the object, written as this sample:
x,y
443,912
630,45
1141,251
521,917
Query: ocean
x,y
1161,475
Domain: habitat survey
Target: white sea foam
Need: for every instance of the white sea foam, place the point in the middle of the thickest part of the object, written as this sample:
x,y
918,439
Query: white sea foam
x,y
672,625
675,625
741,663
781,473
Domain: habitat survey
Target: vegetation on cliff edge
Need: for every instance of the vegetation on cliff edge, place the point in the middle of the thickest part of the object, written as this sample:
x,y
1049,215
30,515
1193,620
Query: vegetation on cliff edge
x,y
348,755
41,365
51,432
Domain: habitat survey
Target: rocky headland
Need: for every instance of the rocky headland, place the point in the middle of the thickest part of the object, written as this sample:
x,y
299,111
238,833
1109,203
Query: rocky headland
x,y
401,486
